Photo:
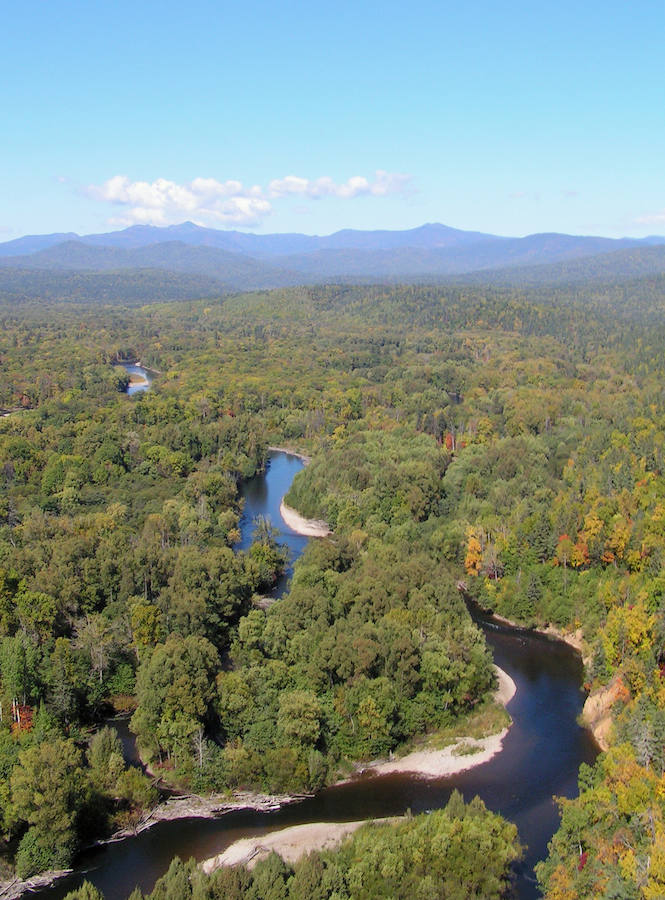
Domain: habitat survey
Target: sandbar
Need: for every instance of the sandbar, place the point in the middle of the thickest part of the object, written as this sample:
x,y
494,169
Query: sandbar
x,y
465,753
290,843
507,688
301,525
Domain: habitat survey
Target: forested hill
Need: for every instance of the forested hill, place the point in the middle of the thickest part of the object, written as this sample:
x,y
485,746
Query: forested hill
x,y
234,270
621,265
535,308
122,287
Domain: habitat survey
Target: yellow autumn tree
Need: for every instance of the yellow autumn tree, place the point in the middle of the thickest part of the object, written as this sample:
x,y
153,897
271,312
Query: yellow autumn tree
x,y
474,553
627,632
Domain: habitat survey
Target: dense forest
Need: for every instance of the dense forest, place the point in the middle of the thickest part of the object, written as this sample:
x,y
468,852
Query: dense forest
x,y
502,444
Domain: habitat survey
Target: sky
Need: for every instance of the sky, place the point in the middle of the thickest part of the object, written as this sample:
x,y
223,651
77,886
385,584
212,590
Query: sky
x,y
502,117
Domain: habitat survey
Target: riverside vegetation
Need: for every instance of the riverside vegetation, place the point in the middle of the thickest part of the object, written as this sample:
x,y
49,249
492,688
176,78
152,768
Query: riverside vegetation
x,y
508,442
457,852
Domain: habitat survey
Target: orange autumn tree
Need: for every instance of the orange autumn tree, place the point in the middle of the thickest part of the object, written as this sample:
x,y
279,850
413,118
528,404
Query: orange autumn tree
x,y
474,553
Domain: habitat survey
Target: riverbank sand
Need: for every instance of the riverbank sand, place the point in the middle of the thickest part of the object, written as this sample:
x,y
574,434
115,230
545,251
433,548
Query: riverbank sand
x,y
290,843
463,754
301,525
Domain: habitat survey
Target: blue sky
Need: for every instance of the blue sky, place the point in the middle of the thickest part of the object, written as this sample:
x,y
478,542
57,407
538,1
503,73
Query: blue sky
x,y
505,117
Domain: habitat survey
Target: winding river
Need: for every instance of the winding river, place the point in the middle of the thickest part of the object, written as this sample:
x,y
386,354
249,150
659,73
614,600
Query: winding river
x,y
540,758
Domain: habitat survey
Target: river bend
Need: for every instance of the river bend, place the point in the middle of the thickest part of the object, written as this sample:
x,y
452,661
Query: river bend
x,y
540,758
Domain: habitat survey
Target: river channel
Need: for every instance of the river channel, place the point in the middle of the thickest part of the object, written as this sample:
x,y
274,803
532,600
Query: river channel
x,y
137,387
540,758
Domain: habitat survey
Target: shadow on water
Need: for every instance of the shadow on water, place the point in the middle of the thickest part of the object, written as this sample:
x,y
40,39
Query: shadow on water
x,y
541,755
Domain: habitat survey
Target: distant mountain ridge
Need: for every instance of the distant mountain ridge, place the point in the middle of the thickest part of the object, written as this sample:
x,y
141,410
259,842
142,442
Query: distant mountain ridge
x,y
431,235
241,261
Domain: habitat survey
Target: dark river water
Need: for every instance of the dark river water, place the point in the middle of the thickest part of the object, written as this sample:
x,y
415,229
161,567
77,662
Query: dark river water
x,y
540,758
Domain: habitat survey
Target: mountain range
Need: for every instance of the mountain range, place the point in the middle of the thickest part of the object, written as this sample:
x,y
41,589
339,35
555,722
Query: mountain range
x,y
236,261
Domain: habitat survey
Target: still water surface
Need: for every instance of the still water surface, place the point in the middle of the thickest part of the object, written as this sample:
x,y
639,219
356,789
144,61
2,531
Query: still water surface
x,y
140,386
541,755
263,496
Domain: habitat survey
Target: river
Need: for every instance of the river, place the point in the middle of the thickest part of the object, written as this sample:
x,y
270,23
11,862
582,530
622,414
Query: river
x,y
263,496
540,758
138,386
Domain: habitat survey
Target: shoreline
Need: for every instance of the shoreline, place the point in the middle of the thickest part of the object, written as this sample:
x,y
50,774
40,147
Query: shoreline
x,y
189,807
292,519
507,687
148,369
463,754
12,890
597,712
290,843
301,525
302,456
194,806
574,639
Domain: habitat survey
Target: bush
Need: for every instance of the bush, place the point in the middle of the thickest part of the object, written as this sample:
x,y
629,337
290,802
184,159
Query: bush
x,y
37,853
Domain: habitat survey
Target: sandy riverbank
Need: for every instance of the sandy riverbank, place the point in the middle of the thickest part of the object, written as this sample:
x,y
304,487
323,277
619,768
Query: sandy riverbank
x,y
296,522
463,754
289,843
507,687
301,525
302,456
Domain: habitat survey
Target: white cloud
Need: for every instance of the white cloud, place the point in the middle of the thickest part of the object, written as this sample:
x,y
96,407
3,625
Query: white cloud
x,y
383,184
657,218
164,202
212,202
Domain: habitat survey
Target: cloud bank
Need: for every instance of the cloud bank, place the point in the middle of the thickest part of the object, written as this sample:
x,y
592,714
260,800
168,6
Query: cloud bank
x,y
208,201
656,218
